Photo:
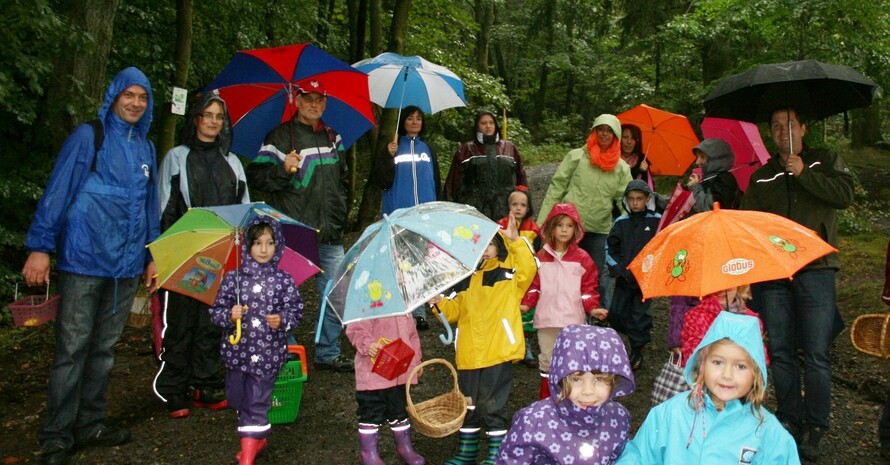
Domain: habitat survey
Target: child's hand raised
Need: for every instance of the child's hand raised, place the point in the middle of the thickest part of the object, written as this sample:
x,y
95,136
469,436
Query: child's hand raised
x,y
435,300
511,232
274,321
237,312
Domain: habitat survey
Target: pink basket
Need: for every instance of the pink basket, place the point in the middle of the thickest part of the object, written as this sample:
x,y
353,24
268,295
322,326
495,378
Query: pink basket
x,y
33,310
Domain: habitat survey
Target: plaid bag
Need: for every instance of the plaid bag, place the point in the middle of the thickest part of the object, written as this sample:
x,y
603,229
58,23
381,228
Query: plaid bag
x,y
669,380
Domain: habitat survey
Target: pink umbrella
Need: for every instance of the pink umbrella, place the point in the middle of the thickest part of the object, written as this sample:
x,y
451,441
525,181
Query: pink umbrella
x,y
746,143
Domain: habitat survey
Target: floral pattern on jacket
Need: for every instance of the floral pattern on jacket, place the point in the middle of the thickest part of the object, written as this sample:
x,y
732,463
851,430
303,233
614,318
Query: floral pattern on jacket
x,y
265,290
553,431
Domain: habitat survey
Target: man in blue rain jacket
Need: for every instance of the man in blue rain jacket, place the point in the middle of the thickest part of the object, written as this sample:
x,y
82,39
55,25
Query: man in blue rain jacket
x,y
99,211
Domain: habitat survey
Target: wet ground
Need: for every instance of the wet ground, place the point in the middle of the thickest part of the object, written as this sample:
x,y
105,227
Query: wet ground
x,y
325,430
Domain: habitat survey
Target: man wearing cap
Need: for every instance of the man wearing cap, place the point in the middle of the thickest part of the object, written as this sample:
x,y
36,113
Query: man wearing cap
x,y
301,167
592,177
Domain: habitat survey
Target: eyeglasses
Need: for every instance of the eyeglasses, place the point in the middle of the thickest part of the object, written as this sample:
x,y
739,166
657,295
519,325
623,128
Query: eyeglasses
x,y
220,117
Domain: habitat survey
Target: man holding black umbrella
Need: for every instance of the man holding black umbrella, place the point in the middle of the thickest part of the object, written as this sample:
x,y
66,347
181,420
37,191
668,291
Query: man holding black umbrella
x,y
807,186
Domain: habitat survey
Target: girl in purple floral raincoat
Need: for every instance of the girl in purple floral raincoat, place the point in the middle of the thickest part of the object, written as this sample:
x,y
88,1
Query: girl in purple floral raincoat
x,y
580,423
269,305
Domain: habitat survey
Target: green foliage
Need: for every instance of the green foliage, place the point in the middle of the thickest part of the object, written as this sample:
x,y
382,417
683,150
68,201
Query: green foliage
x,y
25,60
555,65
543,154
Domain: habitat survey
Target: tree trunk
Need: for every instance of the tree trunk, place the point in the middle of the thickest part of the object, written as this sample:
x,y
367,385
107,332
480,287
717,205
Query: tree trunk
x,y
371,197
357,12
79,77
375,42
324,21
866,130
717,57
541,94
167,132
484,11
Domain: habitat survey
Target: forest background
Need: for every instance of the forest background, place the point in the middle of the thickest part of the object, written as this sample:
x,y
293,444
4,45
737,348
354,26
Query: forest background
x,y
553,65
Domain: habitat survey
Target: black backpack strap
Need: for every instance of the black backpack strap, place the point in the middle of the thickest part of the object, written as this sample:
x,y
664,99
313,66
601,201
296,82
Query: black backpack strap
x,y
98,139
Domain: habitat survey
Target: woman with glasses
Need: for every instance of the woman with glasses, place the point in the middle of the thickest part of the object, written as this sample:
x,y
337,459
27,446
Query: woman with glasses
x,y
199,173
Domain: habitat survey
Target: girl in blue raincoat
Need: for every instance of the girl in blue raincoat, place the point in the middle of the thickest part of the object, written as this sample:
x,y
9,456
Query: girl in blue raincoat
x,y
722,420
269,305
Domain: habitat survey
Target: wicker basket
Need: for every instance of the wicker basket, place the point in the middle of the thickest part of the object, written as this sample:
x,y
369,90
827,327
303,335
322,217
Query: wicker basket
x,y
140,315
442,415
871,334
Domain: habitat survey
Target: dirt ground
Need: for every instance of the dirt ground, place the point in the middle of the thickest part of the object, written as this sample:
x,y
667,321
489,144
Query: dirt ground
x,y
325,430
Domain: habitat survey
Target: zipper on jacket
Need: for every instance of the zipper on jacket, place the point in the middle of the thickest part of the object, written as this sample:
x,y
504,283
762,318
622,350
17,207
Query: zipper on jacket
x,y
414,172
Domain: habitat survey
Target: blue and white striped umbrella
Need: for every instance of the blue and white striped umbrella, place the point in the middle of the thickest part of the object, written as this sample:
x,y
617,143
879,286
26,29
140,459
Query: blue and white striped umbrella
x,y
396,81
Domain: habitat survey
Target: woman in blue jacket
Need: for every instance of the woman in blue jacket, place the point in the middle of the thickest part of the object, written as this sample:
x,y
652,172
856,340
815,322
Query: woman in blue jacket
x,y
407,171
722,420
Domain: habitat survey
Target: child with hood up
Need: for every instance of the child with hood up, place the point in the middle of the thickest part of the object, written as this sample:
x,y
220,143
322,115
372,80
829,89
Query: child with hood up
x,y
564,291
580,423
628,312
716,183
485,307
269,304
722,420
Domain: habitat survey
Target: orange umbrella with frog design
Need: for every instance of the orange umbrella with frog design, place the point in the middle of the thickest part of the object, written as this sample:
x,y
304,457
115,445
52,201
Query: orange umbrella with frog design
x,y
721,249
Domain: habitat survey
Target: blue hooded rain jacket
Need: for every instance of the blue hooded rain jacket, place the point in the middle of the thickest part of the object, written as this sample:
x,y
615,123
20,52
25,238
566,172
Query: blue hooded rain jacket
x,y
100,219
734,435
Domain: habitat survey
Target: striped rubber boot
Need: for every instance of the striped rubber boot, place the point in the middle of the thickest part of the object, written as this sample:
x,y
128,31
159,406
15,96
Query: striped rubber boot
x,y
495,438
467,448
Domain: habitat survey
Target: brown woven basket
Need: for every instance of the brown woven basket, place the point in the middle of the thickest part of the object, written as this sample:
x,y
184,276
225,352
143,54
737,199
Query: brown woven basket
x,y
871,334
442,415
140,315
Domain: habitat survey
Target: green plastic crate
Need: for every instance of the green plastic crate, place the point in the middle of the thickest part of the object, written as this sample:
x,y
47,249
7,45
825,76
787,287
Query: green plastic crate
x,y
287,393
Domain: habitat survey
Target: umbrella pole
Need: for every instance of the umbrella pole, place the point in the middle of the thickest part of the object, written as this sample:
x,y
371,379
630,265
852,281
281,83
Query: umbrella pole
x,y
236,338
395,137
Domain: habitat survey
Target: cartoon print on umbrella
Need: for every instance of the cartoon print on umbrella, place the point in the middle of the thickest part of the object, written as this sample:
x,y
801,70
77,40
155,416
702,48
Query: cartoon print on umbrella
x,y
679,266
408,257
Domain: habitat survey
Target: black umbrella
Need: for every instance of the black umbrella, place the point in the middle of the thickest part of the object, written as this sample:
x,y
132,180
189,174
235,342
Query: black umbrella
x,y
816,90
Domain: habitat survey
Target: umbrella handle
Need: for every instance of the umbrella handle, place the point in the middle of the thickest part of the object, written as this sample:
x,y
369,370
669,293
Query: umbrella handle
x,y
236,338
445,339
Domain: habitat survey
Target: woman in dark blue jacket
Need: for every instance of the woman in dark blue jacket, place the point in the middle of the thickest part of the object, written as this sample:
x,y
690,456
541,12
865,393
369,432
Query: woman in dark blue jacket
x,y
407,171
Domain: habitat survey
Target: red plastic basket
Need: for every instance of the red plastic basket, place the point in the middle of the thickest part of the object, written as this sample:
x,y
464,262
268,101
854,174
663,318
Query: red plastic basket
x,y
33,310
393,359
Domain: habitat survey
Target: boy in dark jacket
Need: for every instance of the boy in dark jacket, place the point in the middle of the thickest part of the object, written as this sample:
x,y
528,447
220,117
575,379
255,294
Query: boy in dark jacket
x,y
628,313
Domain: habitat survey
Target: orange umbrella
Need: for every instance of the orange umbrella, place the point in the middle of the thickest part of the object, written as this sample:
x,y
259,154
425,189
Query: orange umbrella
x,y
721,249
668,139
